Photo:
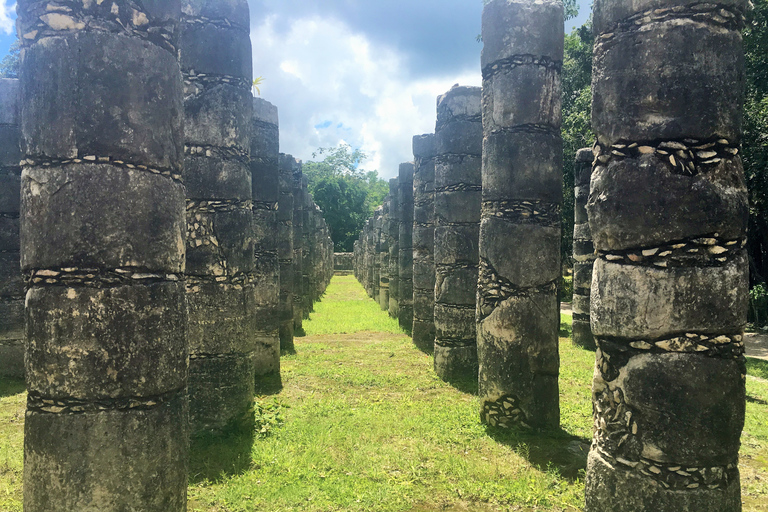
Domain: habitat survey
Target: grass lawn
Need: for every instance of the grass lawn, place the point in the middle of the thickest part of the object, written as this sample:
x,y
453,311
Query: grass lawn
x,y
363,424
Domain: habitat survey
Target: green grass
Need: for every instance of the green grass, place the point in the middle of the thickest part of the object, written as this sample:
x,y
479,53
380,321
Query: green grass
x,y
363,424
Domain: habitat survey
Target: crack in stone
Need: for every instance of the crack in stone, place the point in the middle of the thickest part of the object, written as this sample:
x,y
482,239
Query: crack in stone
x,y
40,404
42,161
724,16
701,251
523,212
516,61
67,17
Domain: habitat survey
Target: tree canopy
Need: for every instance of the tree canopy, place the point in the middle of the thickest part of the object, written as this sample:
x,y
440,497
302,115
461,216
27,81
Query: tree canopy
x,y
346,194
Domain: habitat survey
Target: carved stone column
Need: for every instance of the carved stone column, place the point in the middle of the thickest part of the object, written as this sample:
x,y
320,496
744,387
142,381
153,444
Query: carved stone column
x,y
668,212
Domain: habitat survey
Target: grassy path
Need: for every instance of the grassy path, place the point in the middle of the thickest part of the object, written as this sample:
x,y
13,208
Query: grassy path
x,y
363,424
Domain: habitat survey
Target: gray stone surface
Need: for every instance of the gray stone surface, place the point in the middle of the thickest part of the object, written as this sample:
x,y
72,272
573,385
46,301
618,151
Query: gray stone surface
x,y
518,311
583,251
285,213
405,247
11,284
102,216
458,145
424,242
667,211
221,281
394,247
298,248
265,178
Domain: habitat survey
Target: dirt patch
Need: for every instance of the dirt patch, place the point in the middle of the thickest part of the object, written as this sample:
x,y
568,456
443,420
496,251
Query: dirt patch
x,y
756,345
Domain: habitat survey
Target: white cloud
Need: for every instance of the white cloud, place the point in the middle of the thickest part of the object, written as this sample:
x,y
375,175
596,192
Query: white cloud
x,y
320,71
6,22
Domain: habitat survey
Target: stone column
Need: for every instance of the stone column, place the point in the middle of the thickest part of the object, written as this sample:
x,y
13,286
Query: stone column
x,y
265,176
376,253
458,141
11,284
285,251
405,264
518,310
216,64
298,248
307,235
102,251
583,252
384,255
394,247
424,242
668,211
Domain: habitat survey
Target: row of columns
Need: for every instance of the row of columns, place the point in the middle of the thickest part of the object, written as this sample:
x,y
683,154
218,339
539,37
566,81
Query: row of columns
x,y
660,274
145,217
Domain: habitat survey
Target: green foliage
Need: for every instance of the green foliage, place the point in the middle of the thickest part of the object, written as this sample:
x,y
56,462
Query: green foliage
x,y
346,194
755,140
758,304
577,119
269,416
9,66
565,291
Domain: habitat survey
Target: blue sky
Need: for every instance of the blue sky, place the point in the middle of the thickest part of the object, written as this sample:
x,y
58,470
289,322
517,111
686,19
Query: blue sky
x,y
364,72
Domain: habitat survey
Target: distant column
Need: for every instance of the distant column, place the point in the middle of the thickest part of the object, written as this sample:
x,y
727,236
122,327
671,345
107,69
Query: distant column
x,y
583,251
307,234
265,150
102,250
298,248
458,139
384,255
216,63
668,210
518,312
424,242
285,251
405,265
394,247
11,284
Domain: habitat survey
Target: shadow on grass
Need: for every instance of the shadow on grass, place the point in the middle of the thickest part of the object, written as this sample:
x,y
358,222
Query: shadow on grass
x,y
464,384
757,367
299,332
267,385
10,386
215,457
557,449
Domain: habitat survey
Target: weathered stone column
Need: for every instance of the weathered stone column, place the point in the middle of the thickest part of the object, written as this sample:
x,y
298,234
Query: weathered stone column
x,y
405,264
583,252
216,64
384,255
458,141
518,311
307,235
424,242
394,247
102,250
11,284
298,248
668,212
376,253
265,176
285,251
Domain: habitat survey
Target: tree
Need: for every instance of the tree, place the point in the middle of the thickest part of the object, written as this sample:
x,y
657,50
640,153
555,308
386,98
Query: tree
x,y
755,140
9,66
346,194
577,118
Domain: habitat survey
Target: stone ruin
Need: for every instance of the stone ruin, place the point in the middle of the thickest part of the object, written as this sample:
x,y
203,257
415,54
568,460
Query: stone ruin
x,y
583,251
663,196
11,284
152,248
668,213
458,149
167,269
518,313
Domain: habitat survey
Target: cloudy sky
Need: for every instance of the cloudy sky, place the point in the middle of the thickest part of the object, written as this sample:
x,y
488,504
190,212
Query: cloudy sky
x,y
364,72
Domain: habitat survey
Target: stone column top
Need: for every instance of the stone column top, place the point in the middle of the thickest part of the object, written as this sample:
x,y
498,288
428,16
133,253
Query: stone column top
x,y
609,13
459,102
265,112
424,146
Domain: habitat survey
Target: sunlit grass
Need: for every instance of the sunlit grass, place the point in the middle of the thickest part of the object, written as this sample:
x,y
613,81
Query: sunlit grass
x,y
363,424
